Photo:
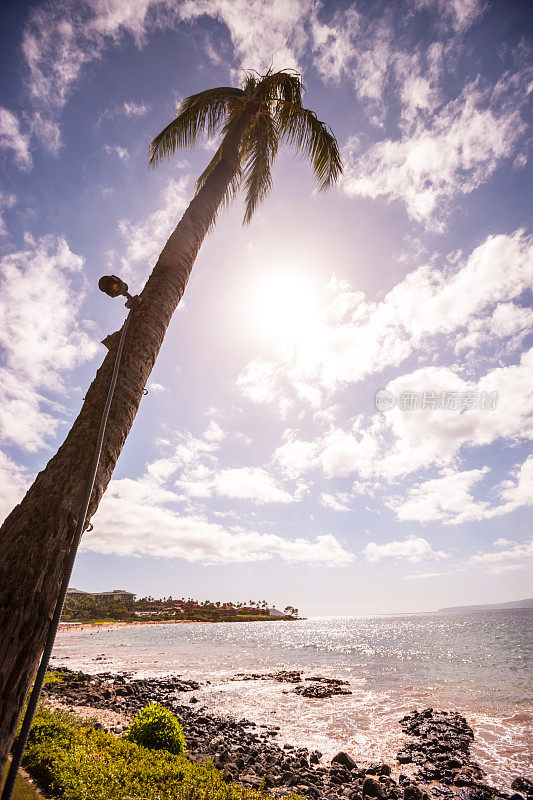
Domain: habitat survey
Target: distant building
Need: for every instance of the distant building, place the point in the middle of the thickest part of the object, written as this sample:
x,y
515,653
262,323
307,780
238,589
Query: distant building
x,y
274,612
77,594
117,595
120,595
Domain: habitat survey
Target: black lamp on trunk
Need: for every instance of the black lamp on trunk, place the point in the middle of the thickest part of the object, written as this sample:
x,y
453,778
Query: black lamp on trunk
x,y
114,286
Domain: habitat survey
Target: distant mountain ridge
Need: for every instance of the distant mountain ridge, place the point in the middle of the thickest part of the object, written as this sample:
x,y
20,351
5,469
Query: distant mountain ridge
x,y
493,606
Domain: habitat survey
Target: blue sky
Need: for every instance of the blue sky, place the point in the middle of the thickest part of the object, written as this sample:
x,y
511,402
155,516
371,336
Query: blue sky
x,y
258,465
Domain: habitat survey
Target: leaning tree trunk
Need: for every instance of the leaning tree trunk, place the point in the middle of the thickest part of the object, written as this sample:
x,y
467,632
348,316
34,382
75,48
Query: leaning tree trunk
x,y
35,538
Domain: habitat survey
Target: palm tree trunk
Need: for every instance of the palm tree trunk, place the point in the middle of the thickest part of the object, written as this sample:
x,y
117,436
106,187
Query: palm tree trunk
x,y
35,538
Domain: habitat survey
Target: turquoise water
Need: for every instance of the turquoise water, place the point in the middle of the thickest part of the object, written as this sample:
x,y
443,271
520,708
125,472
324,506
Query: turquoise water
x,y
477,663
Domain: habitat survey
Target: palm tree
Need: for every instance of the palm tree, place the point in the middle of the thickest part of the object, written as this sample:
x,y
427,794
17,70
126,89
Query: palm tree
x,y
35,538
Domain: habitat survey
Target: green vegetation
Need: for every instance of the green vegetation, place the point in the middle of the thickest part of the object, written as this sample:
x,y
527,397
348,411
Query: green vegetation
x,y
150,609
157,728
52,676
72,760
23,790
89,610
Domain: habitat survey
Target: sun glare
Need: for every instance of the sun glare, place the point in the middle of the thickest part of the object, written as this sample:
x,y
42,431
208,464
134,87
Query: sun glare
x,y
283,304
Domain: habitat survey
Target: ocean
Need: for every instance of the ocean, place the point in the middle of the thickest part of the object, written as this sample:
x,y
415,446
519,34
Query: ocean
x,y
477,663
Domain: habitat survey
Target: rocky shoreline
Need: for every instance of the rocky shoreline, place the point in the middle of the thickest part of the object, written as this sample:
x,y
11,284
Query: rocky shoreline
x,y
439,749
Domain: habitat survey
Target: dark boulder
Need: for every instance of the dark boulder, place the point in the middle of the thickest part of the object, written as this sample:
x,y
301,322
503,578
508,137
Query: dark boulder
x,y
344,760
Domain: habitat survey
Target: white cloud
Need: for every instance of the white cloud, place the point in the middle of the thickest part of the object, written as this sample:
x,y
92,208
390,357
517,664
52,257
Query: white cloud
x,y
337,502
372,53
334,42
40,335
156,388
146,239
258,381
214,432
452,153
509,323
519,556
128,109
7,200
131,109
516,491
250,483
503,542
120,152
412,549
461,13
295,457
131,521
14,140
263,33
14,482
196,459
401,442
60,39
447,498
354,337
416,576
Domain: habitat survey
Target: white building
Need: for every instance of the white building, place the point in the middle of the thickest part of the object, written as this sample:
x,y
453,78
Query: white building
x,y
118,595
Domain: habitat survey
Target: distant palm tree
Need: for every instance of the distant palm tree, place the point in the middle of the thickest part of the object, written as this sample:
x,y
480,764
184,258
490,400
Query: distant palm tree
x,y
36,536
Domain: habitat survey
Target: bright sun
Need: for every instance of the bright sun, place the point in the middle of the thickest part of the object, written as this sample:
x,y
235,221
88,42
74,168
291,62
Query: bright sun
x,y
283,304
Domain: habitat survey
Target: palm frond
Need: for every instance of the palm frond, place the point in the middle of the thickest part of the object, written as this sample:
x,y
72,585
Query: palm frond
x,y
285,85
260,145
300,128
232,188
200,113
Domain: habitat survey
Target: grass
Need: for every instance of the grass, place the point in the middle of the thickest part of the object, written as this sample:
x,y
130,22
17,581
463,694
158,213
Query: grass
x,y
52,676
72,760
23,790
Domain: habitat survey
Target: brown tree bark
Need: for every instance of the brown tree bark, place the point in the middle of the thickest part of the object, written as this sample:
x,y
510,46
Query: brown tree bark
x,y
35,538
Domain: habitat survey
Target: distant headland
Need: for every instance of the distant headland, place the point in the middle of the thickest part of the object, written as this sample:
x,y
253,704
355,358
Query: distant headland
x,y
493,606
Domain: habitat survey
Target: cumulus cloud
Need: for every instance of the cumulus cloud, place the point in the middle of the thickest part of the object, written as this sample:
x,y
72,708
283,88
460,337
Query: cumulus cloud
x,y
131,520
14,140
264,34
294,457
518,556
403,441
40,335
447,498
355,337
250,483
450,154
196,460
412,549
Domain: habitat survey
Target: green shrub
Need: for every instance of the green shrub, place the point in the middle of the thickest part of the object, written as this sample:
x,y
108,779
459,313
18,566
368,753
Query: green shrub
x,y
157,728
74,761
